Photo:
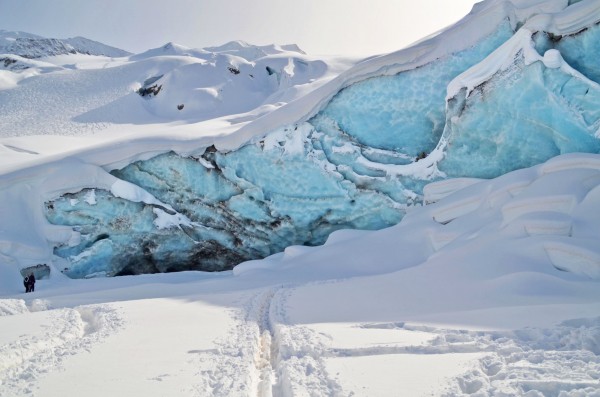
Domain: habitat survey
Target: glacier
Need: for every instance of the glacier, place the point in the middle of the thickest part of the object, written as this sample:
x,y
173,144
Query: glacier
x,y
510,86
359,163
484,285
295,186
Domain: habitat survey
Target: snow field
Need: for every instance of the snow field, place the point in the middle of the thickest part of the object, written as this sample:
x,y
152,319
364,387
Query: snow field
x,y
278,356
390,374
77,95
159,350
26,354
427,357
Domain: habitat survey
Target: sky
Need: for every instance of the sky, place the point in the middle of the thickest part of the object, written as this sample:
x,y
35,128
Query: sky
x,y
319,27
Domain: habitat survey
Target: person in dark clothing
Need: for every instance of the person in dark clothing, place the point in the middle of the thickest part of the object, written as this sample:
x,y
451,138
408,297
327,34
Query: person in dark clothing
x,y
31,282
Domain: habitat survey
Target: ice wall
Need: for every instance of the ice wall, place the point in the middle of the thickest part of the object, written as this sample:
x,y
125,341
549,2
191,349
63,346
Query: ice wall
x,y
405,113
228,207
510,101
540,105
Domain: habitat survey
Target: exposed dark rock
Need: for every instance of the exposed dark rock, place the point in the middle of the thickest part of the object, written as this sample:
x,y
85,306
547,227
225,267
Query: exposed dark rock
x,y
149,91
40,271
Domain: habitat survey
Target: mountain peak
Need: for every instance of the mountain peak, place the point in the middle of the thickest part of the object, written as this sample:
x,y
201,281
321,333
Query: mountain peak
x,y
252,52
31,46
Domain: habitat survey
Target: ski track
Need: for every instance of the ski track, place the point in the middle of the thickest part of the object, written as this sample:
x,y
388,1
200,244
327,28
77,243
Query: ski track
x,y
234,370
69,332
265,355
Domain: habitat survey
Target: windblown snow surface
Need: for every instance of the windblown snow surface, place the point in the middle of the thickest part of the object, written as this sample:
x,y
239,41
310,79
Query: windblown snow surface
x,y
425,222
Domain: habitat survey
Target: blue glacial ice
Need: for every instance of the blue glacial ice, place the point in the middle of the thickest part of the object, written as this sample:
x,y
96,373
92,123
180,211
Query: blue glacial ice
x,y
353,165
526,114
404,113
562,116
579,50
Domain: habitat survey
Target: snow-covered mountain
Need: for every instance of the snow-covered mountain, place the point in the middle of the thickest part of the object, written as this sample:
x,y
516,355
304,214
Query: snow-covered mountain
x,y
420,223
31,46
94,93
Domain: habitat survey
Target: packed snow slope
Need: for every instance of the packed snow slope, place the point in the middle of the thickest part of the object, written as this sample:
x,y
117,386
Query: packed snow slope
x,y
221,155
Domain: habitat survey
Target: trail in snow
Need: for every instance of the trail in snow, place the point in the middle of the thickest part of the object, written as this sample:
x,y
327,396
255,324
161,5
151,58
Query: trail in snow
x,y
563,360
290,358
263,357
246,359
300,365
273,357
24,358
266,361
240,358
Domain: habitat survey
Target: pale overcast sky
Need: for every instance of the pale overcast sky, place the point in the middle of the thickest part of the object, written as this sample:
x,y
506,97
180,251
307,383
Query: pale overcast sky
x,y
347,27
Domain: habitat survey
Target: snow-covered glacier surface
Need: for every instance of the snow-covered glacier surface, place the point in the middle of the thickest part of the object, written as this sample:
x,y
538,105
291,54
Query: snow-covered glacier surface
x,y
515,98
